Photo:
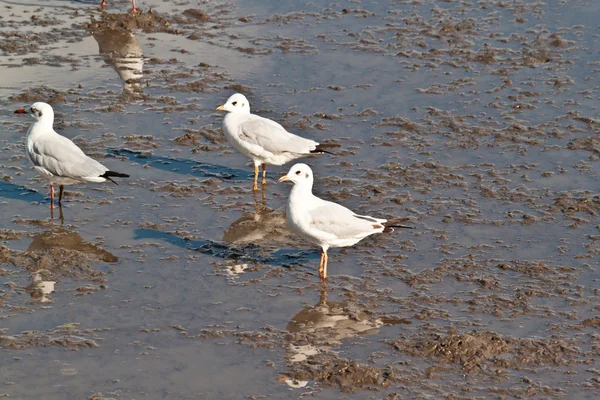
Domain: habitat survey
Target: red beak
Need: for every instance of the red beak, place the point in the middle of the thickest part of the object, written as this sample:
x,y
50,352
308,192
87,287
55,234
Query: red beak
x,y
21,111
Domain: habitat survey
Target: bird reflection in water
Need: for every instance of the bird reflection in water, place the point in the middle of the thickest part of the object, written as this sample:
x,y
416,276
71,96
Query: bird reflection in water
x,y
49,260
123,52
263,227
327,323
61,216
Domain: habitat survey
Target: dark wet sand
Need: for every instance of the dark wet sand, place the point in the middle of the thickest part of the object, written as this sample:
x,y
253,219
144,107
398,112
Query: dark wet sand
x,y
479,121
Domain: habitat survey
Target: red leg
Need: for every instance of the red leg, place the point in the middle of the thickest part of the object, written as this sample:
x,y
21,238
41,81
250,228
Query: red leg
x,y
51,196
134,10
103,4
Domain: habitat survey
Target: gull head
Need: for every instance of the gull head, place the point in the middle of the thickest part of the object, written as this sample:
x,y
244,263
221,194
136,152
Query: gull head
x,y
236,103
40,111
299,174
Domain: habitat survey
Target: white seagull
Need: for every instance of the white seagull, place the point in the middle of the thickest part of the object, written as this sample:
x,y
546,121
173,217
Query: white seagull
x,y
57,158
325,223
263,140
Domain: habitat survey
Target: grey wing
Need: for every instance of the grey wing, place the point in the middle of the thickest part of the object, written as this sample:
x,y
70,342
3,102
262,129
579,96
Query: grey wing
x,y
61,157
340,222
274,138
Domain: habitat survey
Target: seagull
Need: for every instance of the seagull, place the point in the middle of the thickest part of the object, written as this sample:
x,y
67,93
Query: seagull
x,y
263,140
325,223
56,157
133,10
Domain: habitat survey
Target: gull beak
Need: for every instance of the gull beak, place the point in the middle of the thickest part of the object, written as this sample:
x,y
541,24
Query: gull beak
x,y
283,179
21,111
220,108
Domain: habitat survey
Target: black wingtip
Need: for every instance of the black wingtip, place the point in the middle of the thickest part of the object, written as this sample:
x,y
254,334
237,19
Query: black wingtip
x,y
392,223
321,149
111,174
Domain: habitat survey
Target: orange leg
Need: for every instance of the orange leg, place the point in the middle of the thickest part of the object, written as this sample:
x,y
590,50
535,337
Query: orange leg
x,y
51,196
323,266
264,179
133,10
255,187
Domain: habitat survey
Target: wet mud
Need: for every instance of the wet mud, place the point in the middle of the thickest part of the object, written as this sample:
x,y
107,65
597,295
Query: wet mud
x,y
478,121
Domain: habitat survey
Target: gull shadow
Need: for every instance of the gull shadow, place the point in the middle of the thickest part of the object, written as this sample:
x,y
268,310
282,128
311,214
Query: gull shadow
x,y
12,191
249,253
181,165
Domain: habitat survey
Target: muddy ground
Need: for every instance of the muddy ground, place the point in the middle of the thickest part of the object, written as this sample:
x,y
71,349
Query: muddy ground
x,y
478,120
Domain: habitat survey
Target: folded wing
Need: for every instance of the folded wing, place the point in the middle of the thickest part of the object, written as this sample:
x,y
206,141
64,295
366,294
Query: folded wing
x,y
273,137
339,222
61,157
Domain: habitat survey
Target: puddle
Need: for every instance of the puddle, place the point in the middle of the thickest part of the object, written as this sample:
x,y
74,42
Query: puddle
x,y
477,121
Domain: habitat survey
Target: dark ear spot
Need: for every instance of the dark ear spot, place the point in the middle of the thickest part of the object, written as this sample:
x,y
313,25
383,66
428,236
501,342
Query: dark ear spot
x,y
243,104
307,175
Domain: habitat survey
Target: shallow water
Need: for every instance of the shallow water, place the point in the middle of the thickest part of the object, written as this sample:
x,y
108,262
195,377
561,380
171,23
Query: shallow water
x,y
477,120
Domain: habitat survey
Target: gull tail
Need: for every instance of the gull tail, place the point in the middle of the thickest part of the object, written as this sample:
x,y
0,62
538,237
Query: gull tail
x,y
322,146
108,174
392,223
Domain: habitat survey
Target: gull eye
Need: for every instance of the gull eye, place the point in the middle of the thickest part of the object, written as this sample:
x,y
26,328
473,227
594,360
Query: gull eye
x,y
234,103
298,172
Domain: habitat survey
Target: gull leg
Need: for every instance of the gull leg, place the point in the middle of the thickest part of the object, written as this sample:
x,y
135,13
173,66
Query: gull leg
x,y
134,10
264,178
325,266
60,193
321,264
255,187
103,4
51,196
